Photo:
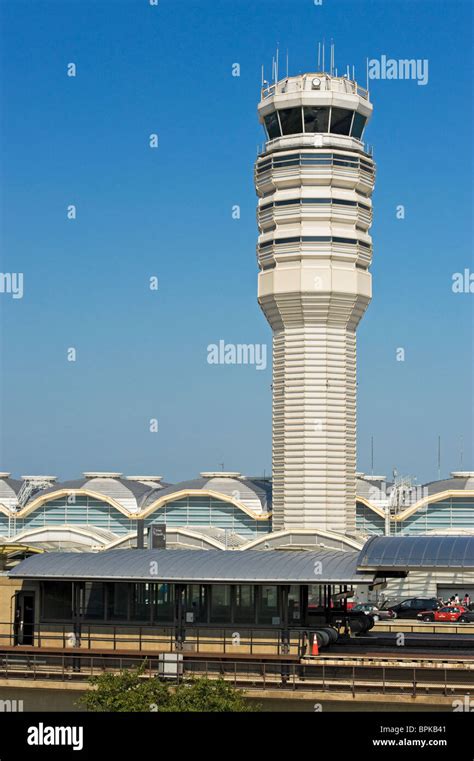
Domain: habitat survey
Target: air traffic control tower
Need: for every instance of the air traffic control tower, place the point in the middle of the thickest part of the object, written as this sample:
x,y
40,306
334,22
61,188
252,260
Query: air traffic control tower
x,y
314,182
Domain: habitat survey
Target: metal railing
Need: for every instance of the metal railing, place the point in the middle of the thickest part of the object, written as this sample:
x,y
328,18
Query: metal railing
x,y
386,679
425,627
235,639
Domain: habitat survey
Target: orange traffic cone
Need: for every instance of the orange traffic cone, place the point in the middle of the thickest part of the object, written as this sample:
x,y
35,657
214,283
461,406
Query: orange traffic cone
x,y
315,648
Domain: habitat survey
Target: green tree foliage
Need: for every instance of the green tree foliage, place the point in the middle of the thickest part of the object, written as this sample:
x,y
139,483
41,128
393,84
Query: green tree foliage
x,y
131,691
128,691
205,695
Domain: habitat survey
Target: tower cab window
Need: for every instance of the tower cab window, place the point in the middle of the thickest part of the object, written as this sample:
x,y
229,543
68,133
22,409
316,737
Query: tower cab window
x,y
272,125
341,120
290,119
315,119
358,125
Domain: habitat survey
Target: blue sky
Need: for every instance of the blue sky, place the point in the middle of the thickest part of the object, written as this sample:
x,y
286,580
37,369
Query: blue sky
x,y
141,212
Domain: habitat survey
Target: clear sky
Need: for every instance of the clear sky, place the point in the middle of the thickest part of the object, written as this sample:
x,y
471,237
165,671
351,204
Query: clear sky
x,y
167,212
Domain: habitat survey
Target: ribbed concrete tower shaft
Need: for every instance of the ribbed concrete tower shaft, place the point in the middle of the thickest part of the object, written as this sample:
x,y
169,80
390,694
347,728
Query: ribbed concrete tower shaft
x,y
314,181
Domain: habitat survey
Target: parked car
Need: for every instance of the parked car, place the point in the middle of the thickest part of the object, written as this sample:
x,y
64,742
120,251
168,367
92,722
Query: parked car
x,y
448,613
412,607
370,609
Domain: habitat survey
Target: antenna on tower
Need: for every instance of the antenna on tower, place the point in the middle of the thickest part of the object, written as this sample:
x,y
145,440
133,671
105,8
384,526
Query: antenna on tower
x,y
273,68
276,65
324,46
347,72
319,56
353,74
262,77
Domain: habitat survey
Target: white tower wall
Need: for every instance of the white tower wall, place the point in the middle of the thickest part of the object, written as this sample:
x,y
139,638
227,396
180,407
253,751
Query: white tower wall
x,y
314,251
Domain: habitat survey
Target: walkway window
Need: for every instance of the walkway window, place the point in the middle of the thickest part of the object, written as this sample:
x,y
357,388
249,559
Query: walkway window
x,y
196,602
140,602
162,598
244,611
57,600
117,601
93,605
220,603
268,609
294,605
163,603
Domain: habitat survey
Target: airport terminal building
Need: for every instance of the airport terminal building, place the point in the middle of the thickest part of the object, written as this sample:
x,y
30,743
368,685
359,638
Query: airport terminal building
x,y
314,180
223,511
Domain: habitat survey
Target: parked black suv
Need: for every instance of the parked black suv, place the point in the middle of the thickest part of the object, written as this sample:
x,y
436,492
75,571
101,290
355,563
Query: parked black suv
x,y
410,608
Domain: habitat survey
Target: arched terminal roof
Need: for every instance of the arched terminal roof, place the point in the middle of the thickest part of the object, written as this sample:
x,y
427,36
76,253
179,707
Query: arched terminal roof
x,y
9,488
417,553
252,493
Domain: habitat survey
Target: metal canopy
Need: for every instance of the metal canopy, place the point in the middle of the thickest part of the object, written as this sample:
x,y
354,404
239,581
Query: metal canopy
x,y
211,566
417,553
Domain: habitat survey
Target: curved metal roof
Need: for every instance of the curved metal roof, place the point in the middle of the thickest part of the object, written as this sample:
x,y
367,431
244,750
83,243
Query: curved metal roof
x,y
385,553
254,493
9,488
248,566
457,483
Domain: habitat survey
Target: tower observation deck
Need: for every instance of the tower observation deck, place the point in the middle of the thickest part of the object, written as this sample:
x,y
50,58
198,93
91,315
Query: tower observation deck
x,y
314,181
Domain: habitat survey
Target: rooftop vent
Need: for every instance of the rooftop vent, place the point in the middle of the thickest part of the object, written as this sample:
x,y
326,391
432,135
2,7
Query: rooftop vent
x,y
144,478
5,475
40,478
101,474
220,474
462,474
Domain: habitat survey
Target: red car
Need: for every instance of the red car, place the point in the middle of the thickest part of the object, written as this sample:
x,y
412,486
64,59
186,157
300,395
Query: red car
x,y
447,613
